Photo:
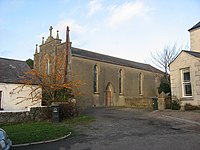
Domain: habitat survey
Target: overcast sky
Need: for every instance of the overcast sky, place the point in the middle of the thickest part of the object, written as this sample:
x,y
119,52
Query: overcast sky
x,y
127,29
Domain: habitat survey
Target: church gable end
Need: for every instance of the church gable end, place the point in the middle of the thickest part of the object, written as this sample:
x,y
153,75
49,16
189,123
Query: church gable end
x,y
50,58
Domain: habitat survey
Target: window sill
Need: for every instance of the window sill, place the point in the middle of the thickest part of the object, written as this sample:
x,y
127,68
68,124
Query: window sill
x,y
186,99
96,93
121,94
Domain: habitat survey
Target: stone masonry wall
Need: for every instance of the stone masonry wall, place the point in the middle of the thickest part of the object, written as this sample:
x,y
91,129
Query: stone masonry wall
x,y
185,61
66,111
194,40
108,74
139,102
35,114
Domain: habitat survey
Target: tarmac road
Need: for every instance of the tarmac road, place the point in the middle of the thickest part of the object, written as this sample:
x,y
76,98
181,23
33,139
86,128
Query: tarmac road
x,y
128,129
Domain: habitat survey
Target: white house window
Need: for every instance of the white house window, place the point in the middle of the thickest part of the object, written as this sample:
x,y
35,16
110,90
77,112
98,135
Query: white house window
x,y
186,83
141,77
121,81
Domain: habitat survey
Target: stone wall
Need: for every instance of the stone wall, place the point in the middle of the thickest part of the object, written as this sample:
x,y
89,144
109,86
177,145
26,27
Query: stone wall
x,y
194,40
139,102
109,75
38,114
164,101
35,114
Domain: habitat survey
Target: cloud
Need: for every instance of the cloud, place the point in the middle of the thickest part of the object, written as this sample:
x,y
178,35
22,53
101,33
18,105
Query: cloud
x,y
94,6
73,25
126,12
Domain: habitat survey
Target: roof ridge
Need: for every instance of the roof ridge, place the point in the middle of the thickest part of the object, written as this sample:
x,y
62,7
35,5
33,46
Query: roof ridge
x,y
195,54
110,56
188,51
113,60
195,26
12,59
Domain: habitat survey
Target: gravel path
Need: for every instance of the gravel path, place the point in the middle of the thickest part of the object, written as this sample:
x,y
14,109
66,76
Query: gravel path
x,y
128,129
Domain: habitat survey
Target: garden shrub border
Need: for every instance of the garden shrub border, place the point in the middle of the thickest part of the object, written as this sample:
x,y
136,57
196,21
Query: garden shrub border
x,y
188,106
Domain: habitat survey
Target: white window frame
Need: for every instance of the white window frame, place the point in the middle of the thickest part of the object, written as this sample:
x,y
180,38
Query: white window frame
x,y
183,83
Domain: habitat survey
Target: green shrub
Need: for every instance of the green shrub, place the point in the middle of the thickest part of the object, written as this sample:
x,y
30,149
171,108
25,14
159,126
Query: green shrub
x,y
175,105
165,85
191,107
61,95
68,110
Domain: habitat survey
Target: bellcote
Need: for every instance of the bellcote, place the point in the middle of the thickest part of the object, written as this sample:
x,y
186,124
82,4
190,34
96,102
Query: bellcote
x,y
51,38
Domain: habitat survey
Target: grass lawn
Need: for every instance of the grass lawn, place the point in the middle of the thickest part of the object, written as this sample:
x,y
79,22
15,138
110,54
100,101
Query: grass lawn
x,y
41,131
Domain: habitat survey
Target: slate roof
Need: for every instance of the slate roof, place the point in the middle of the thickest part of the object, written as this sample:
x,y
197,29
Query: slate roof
x,y
113,60
12,70
195,54
195,26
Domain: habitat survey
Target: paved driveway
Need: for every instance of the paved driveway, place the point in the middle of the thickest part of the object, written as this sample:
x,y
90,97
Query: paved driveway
x,y
128,129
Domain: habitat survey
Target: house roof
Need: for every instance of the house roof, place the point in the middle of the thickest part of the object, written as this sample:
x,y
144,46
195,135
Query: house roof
x,y
113,60
195,26
11,70
195,54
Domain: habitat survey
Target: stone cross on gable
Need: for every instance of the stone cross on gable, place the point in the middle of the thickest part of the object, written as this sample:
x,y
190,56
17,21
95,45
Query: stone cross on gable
x,y
50,29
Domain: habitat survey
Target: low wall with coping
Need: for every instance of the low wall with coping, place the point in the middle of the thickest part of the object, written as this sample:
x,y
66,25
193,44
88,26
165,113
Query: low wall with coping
x,y
66,111
139,102
34,114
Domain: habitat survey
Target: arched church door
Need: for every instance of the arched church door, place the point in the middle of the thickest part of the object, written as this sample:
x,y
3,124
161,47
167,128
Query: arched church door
x,y
109,95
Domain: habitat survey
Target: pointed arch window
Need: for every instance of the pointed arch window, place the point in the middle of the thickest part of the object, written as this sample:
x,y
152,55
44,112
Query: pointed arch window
x,y
48,67
121,81
0,100
95,79
141,80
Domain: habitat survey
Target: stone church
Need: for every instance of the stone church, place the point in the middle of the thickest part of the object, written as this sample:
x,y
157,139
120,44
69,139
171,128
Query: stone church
x,y
108,81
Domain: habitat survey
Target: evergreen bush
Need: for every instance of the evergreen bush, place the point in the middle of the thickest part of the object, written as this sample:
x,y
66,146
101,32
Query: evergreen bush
x,y
175,105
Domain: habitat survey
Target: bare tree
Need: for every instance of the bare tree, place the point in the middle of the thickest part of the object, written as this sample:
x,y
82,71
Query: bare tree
x,y
54,88
162,59
165,57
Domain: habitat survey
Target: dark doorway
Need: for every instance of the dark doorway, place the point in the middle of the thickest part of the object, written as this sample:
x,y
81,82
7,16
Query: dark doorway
x,y
108,100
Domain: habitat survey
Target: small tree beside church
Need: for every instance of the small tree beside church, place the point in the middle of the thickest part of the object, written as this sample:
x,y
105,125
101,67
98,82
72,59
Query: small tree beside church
x,y
164,85
162,60
55,88
165,57
30,63
51,91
